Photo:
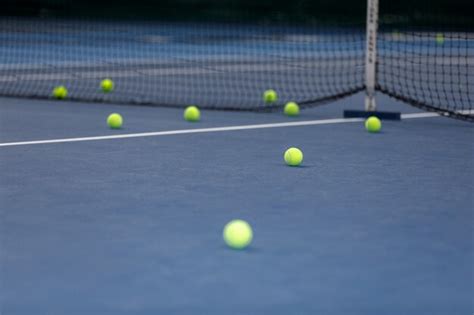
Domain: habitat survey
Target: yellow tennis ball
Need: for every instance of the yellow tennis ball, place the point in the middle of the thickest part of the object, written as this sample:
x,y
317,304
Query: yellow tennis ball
x,y
440,38
115,121
107,85
292,109
237,234
373,124
270,96
60,92
293,156
192,113
396,35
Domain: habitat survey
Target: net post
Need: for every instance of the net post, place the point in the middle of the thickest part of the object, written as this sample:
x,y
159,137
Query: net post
x,y
371,54
371,68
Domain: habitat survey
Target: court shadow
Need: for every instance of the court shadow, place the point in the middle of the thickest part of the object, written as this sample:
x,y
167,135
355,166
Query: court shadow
x,y
378,133
249,250
297,167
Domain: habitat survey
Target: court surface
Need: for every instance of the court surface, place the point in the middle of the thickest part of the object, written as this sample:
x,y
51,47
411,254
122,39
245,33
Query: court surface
x,y
369,224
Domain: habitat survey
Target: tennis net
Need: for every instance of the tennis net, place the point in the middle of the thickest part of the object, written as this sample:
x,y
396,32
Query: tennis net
x,y
227,59
427,59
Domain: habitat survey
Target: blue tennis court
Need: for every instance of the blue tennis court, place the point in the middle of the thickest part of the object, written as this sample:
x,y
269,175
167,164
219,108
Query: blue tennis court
x,y
369,222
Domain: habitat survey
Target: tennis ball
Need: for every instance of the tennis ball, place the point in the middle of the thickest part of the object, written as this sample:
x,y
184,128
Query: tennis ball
x,y
237,234
107,85
440,39
60,92
192,113
270,96
373,124
115,121
396,35
293,156
292,109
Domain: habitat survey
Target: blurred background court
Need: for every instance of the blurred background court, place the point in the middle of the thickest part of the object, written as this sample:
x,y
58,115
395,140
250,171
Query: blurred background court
x,y
129,221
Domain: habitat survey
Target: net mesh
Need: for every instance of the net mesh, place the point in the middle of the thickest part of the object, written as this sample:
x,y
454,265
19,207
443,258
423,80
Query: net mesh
x,y
227,63
427,59
211,65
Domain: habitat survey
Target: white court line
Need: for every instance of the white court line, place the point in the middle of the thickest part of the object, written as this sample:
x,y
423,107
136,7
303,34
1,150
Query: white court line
x,y
419,115
188,131
207,130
